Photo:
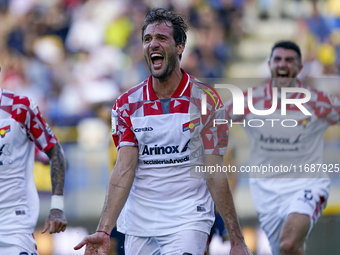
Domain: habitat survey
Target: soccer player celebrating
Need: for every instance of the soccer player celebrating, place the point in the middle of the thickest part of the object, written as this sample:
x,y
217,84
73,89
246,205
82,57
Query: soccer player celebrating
x,y
287,208
159,131
22,128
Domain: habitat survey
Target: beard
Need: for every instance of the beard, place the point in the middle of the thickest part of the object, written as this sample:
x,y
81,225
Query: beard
x,y
168,68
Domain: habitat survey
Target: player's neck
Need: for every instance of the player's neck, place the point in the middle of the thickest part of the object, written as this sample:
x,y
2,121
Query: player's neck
x,y
165,88
292,84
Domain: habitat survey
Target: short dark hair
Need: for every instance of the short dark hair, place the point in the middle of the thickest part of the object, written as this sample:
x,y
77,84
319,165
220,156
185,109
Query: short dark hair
x,y
287,45
179,23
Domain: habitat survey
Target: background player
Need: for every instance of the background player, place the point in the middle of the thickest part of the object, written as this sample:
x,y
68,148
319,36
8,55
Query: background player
x,y
21,129
161,209
288,207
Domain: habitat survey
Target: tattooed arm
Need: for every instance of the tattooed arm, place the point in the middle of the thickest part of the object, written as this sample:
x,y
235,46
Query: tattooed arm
x,y
220,191
58,166
117,192
56,221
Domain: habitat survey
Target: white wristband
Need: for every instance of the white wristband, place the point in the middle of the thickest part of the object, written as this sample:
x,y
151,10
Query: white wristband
x,y
57,202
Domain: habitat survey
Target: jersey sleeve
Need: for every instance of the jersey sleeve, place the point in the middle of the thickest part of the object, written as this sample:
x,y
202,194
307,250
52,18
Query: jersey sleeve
x,y
328,108
215,134
215,131
37,128
121,126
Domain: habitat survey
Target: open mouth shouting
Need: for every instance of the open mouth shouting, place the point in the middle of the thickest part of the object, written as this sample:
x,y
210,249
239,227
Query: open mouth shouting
x,y
282,73
282,76
157,60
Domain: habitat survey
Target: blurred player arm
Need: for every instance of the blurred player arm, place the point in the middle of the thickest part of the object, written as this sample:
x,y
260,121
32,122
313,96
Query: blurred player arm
x,y
56,221
120,182
220,191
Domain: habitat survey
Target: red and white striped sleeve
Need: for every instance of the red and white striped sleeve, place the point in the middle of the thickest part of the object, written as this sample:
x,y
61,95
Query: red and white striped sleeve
x,y
328,108
122,132
26,112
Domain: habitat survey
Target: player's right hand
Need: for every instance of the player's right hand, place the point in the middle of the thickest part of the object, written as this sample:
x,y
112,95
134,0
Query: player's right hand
x,y
96,244
56,222
240,249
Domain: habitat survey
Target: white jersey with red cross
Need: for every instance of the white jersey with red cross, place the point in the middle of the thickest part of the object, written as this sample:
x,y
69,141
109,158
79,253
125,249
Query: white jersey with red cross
x,y
21,128
170,134
285,142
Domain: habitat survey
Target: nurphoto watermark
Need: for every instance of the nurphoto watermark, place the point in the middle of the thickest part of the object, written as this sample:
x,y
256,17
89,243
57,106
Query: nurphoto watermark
x,y
281,119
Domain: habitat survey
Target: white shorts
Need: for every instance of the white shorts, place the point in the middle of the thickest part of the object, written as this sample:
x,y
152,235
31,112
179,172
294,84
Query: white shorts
x,y
18,244
308,201
186,242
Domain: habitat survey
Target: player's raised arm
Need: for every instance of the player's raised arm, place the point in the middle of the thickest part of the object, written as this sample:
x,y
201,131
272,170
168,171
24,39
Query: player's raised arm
x,y
117,192
220,191
56,221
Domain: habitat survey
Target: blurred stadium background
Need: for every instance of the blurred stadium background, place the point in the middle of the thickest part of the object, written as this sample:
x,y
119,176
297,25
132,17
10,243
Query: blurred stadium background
x,y
74,57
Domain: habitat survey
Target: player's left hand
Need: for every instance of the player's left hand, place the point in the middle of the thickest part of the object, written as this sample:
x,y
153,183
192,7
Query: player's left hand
x,y
55,222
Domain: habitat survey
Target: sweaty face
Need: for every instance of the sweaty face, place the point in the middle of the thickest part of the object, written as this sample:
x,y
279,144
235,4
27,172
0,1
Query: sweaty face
x,y
160,50
284,66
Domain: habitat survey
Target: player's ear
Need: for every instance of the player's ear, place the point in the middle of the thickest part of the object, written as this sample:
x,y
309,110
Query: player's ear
x,y
180,48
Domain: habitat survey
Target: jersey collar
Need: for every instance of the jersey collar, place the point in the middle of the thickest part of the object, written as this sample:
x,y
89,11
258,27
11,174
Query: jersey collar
x,y
270,87
183,85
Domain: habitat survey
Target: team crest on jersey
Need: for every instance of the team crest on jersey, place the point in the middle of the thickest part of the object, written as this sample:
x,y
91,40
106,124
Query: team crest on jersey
x,y
191,125
304,122
4,131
